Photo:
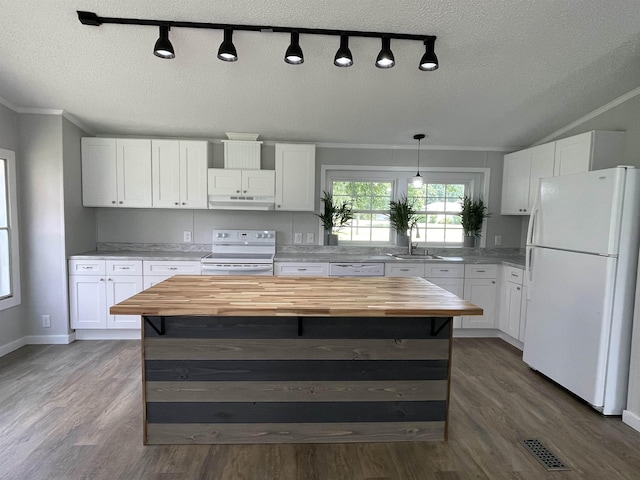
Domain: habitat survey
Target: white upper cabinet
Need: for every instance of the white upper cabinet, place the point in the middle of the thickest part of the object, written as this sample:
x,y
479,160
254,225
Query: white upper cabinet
x,y
116,172
581,153
295,177
522,173
179,173
227,181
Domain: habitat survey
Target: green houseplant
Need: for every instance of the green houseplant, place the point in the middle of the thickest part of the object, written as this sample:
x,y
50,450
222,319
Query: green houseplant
x,y
402,217
472,216
333,217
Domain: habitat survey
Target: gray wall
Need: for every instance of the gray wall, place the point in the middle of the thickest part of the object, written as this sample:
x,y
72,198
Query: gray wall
x,y
12,325
167,226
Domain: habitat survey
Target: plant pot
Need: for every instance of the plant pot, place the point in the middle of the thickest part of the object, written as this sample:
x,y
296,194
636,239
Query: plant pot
x,y
469,241
332,239
402,240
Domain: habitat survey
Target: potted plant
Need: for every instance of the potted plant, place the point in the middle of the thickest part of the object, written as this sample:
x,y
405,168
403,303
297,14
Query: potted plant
x,y
403,218
472,216
333,217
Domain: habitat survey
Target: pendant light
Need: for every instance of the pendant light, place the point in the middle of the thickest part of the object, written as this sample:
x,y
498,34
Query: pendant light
x,y
417,181
294,54
227,50
163,47
343,55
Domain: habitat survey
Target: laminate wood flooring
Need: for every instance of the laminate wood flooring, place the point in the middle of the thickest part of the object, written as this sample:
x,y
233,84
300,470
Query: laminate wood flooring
x,y
74,412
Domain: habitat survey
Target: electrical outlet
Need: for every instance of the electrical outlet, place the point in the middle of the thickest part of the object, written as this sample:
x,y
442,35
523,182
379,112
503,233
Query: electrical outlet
x,y
187,236
497,241
297,238
46,321
310,238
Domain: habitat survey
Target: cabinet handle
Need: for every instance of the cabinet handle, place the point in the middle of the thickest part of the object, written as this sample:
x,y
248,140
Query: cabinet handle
x,y
120,202
237,191
404,269
87,268
176,203
109,279
279,206
113,201
480,271
125,268
493,281
184,203
444,269
514,275
244,191
102,279
302,269
518,288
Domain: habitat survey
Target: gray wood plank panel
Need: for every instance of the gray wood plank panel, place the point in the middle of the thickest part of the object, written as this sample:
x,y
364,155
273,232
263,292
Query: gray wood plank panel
x,y
194,433
295,391
294,349
295,412
280,370
287,327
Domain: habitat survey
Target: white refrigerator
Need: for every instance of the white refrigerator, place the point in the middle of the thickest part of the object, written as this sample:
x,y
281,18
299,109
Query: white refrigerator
x,y
582,255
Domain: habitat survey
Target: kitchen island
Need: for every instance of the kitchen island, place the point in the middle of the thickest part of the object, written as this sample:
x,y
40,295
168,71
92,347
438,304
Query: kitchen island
x,y
257,359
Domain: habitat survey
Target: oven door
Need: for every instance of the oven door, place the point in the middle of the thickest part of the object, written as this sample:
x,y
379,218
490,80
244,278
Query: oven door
x,y
237,269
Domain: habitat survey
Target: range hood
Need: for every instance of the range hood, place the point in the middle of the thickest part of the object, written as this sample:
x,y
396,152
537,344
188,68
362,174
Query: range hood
x,y
239,202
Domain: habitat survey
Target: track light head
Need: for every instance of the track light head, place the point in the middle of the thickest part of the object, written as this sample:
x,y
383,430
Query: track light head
x,y
429,61
417,181
227,51
294,55
343,56
163,47
385,57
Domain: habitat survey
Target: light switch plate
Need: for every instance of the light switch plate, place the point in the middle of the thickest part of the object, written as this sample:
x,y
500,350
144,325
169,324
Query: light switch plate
x,y
187,236
310,237
297,238
497,241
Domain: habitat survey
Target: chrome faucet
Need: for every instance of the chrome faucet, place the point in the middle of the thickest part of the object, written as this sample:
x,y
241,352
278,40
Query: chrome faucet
x,y
411,244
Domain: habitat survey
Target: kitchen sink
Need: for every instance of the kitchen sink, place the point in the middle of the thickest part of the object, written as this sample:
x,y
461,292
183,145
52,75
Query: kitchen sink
x,y
414,256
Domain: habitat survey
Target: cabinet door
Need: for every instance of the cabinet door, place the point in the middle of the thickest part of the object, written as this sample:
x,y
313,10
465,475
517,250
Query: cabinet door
x,y
523,314
404,270
295,177
194,160
120,288
99,180
542,164
573,154
224,181
453,285
515,183
258,182
87,301
481,292
510,309
302,269
134,172
165,173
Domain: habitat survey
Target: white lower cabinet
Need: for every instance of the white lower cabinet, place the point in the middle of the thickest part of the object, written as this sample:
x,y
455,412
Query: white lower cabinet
x,y
96,285
449,277
481,288
513,303
311,269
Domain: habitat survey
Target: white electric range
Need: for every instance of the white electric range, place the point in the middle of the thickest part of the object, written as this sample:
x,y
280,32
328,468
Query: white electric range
x,y
240,252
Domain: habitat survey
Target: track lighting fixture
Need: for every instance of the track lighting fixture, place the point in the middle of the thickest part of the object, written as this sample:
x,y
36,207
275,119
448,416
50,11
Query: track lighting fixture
x,y
293,55
163,47
227,50
417,181
343,56
385,57
429,60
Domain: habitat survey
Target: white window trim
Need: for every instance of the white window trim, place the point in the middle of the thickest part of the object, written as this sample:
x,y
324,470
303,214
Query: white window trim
x,y
12,195
377,172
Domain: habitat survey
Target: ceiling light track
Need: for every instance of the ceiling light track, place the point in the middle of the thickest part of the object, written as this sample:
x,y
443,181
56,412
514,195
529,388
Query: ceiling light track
x,y
92,19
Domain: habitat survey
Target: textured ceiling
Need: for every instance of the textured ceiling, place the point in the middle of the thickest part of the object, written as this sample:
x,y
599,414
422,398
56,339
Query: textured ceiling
x,y
510,72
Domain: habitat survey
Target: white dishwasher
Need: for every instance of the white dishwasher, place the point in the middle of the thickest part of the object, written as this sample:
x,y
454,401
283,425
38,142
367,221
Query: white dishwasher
x,y
356,269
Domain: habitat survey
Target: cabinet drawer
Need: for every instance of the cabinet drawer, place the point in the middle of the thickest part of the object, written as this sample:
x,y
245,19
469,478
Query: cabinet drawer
x,y
124,267
481,271
404,270
512,274
162,267
442,270
302,269
86,267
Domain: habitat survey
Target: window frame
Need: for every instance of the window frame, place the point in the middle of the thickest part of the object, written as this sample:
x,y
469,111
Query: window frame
x,y
14,298
477,177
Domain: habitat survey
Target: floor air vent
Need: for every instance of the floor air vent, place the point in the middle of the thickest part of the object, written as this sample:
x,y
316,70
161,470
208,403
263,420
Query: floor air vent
x,y
544,456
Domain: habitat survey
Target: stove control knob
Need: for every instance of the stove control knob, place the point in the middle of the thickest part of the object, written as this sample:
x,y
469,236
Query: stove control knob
x,y
258,235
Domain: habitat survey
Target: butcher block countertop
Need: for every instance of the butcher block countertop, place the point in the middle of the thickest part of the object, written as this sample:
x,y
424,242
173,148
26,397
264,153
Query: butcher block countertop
x,y
295,296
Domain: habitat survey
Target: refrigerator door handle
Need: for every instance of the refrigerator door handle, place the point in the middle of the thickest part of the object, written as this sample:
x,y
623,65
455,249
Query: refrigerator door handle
x,y
528,262
532,223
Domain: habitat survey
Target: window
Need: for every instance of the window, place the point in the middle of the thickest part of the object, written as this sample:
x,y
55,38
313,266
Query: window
x,y
9,269
437,202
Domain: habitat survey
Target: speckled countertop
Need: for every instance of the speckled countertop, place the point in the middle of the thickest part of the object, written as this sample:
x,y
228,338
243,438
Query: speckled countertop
x,y
155,252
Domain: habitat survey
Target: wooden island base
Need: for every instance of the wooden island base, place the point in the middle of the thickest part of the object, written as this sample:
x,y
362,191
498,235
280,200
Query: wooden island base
x,y
230,359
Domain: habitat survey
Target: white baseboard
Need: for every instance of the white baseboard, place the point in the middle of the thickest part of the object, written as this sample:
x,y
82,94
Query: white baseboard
x,y
632,419
11,346
50,339
108,334
512,341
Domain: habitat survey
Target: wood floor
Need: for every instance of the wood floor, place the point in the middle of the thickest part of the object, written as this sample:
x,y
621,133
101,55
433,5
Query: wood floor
x,y
74,412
